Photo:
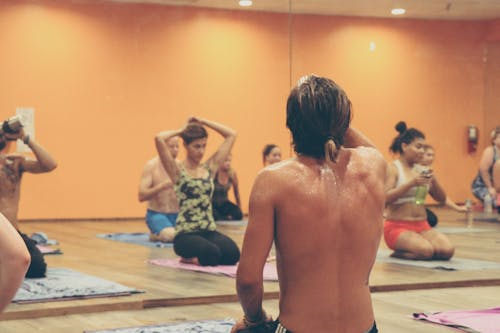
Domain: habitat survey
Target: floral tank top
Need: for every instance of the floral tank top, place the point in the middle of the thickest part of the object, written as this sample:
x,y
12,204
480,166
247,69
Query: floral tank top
x,y
195,203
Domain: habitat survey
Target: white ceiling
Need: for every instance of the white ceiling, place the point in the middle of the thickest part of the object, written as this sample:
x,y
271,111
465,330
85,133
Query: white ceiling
x,y
422,9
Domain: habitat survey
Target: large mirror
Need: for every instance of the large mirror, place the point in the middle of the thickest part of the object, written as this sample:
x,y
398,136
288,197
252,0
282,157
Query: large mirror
x,y
435,67
102,78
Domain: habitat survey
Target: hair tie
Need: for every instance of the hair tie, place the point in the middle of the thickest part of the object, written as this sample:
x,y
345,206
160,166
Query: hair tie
x,y
328,138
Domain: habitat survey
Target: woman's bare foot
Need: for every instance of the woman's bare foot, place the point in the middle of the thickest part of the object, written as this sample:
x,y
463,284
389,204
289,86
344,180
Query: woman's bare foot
x,y
193,261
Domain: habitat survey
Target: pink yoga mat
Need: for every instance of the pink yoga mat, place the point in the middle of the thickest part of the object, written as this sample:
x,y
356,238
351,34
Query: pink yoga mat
x,y
483,321
270,273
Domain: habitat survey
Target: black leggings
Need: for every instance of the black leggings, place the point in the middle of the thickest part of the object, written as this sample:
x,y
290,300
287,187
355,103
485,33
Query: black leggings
x,y
38,267
210,247
226,211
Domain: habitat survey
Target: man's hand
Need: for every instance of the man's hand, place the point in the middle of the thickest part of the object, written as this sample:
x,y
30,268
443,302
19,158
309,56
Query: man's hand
x,y
246,326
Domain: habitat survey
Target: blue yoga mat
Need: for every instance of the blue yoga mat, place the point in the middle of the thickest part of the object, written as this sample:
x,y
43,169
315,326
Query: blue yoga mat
x,y
139,238
205,326
67,284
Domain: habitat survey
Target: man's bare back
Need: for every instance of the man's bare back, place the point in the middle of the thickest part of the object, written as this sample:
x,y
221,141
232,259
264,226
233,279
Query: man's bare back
x,y
328,229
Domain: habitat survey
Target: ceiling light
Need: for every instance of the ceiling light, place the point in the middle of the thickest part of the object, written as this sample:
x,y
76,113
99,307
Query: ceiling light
x,y
245,3
398,11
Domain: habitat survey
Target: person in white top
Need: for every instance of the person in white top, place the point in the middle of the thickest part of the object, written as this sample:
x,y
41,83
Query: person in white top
x,y
406,230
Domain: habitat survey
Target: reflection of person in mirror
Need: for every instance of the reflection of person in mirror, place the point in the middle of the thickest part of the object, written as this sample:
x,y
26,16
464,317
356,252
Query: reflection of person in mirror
x,y
158,190
426,161
309,207
196,239
406,230
13,167
224,179
487,180
14,262
271,154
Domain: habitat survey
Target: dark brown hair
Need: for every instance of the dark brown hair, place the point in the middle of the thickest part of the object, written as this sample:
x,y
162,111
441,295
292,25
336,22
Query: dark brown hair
x,y
406,135
318,113
193,132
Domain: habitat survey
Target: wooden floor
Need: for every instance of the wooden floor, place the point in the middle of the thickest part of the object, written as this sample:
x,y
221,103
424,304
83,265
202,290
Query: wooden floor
x,y
172,295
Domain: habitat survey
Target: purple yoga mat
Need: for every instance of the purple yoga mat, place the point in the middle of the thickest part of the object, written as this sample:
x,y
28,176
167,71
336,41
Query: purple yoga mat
x,y
270,273
483,321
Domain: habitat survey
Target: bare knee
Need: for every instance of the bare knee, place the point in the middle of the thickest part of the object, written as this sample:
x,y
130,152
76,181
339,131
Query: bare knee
x,y
167,235
445,252
424,251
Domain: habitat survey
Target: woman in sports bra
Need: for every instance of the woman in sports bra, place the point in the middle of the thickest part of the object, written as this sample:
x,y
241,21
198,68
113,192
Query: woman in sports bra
x,y
196,240
406,230
223,208
488,177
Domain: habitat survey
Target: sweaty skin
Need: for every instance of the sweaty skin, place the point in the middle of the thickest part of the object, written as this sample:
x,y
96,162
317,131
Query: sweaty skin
x,y
326,229
157,188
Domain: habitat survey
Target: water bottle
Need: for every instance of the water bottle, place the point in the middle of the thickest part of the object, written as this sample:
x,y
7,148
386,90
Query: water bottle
x,y
420,194
487,203
11,125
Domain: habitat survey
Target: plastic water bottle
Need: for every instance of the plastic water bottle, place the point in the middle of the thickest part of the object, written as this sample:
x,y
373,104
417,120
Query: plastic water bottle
x,y
487,203
420,194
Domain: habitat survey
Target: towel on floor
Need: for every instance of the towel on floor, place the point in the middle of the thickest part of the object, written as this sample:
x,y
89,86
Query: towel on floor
x,y
383,256
270,272
470,321
139,238
205,326
64,284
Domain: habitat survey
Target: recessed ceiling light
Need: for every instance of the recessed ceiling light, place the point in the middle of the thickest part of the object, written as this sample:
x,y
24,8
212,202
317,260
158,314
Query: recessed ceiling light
x,y
245,3
398,11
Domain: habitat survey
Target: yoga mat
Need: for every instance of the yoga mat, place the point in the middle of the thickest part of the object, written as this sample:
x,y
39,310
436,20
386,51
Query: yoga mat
x,y
270,272
454,264
235,223
66,284
48,250
471,321
205,326
463,230
139,238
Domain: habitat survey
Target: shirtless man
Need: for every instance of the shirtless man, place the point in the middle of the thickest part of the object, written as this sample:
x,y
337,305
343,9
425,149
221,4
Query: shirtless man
x,y
323,210
12,168
157,188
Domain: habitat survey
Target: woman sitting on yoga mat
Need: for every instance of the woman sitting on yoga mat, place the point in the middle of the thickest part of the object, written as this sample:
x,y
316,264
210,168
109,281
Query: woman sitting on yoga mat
x,y
223,208
406,230
196,240
487,180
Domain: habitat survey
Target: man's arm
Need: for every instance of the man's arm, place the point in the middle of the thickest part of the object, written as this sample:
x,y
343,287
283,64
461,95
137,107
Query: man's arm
x,y
257,242
44,162
14,262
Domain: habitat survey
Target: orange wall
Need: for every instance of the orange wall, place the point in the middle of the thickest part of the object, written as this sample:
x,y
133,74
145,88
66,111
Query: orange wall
x,y
428,73
105,78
